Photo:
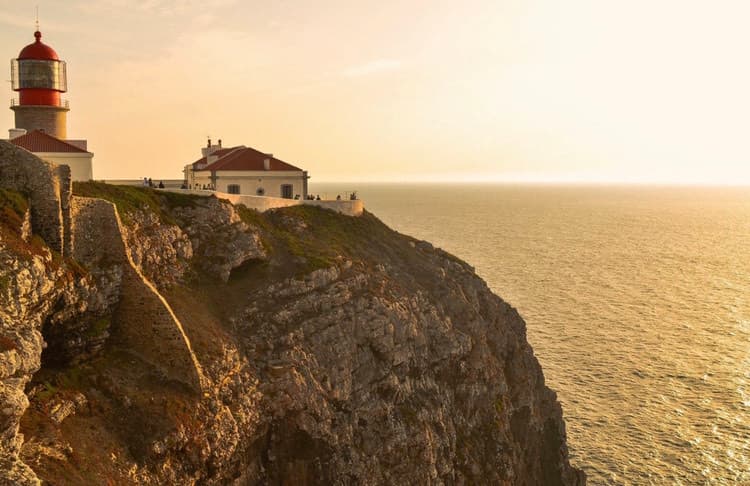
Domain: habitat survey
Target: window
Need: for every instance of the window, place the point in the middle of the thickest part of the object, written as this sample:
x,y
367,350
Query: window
x,y
260,191
286,191
233,188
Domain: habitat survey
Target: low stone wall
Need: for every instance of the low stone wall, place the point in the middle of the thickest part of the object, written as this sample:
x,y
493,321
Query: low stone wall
x,y
264,203
144,319
169,183
348,207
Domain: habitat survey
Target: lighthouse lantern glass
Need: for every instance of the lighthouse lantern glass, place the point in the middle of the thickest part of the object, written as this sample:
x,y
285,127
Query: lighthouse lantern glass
x,y
14,74
39,74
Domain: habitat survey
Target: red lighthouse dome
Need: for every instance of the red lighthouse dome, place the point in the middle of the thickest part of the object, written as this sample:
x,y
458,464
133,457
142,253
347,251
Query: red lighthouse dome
x,y
38,50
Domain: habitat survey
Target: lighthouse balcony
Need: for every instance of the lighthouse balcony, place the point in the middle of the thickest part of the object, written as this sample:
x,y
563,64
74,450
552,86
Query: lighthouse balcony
x,y
56,104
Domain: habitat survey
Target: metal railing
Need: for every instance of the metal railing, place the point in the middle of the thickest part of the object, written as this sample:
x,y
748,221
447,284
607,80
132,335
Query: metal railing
x,y
60,104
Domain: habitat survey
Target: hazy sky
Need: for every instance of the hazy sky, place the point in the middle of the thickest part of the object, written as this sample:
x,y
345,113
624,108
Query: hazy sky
x,y
634,90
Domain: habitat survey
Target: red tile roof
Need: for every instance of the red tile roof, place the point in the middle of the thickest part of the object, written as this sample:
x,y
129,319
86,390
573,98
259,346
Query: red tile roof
x,y
40,142
220,153
243,158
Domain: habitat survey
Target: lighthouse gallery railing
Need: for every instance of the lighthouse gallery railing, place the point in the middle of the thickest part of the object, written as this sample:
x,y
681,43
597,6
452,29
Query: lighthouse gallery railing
x,y
60,104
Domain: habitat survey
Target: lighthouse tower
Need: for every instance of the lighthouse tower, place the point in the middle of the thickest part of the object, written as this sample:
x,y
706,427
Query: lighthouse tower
x,y
39,77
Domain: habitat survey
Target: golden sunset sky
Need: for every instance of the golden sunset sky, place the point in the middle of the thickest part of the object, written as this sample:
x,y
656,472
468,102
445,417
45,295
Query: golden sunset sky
x,y
481,90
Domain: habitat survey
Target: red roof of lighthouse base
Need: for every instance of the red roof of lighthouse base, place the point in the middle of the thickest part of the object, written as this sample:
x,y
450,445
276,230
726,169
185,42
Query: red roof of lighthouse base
x,y
40,142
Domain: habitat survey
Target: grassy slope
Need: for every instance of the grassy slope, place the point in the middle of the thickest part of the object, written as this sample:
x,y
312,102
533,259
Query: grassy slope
x,y
128,199
306,233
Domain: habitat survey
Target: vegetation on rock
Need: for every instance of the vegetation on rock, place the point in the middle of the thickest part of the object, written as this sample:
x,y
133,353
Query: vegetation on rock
x,y
13,207
131,199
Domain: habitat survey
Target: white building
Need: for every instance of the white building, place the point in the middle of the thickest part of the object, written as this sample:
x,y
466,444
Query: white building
x,y
72,153
244,170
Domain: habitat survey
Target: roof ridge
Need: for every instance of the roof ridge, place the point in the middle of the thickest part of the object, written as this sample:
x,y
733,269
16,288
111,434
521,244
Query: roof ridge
x,y
221,157
237,154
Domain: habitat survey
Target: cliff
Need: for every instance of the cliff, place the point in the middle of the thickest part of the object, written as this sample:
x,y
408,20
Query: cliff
x,y
189,341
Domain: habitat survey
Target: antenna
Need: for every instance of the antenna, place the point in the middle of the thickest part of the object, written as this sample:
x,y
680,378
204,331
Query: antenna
x,y
37,18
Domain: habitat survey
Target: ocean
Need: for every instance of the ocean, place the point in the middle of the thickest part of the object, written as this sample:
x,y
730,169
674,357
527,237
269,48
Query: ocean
x,y
637,304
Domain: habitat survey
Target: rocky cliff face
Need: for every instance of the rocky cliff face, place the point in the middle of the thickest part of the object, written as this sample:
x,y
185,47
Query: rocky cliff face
x,y
333,351
208,238
36,287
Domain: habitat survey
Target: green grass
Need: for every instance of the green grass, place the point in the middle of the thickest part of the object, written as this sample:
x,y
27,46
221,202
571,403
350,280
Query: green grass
x,y
308,237
98,328
276,238
129,199
126,199
46,395
13,207
319,238
74,378
252,217
174,200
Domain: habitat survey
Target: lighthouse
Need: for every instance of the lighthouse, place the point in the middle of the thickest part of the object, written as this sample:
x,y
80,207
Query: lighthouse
x,y
40,78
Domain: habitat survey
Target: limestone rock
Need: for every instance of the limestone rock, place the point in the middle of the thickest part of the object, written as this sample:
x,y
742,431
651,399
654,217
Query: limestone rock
x,y
389,385
63,408
221,241
208,235
356,356
162,251
26,297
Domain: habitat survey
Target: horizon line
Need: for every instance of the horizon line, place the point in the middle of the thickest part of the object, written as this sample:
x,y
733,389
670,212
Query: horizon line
x,y
531,182
505,182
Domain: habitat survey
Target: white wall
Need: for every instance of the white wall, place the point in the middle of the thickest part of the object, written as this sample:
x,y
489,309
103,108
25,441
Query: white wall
x,y
251,181
81,165
347,207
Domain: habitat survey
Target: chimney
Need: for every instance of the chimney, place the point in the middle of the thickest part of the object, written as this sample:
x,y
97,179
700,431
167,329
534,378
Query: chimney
x,y
267,164
16,132
209,149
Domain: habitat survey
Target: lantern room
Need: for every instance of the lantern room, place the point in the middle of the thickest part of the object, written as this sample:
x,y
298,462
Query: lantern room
x,y
38,75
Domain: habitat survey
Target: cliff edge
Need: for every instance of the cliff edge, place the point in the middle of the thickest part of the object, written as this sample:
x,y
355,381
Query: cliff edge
x,y
329,349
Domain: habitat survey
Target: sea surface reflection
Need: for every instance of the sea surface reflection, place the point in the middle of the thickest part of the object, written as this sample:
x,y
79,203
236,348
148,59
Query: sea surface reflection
x,y
637,301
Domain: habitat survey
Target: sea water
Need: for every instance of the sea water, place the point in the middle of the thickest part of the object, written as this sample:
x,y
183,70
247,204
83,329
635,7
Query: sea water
x,y
637,303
